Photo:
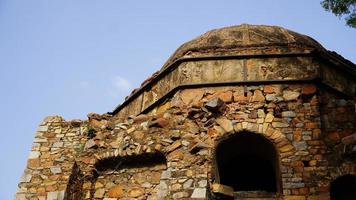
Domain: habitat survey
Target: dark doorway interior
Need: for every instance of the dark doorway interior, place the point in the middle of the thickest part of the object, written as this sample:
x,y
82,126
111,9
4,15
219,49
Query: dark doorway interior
x,y
343,188
247,162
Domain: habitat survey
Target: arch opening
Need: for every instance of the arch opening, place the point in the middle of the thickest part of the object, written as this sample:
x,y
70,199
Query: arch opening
x,y
248,162
343,188
122,177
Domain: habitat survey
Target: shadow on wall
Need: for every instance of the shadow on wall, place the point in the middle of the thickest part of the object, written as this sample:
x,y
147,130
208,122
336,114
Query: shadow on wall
x,y
343,188
128,177
119,177
239,161
75,184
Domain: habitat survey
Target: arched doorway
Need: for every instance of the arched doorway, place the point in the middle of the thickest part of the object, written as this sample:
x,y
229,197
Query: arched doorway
x,y
248,162
128,177
343,188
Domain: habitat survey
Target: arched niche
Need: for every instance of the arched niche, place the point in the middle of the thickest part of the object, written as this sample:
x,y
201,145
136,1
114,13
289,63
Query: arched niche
x,y
343,188
248,162
136,176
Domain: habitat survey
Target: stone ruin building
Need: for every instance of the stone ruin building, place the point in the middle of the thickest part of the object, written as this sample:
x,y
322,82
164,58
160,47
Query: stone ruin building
x,y
242,112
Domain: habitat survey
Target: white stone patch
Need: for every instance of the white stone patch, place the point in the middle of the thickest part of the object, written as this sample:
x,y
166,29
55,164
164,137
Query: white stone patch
x,y
185,143
162,190
199,193
57,144
71,134
146,185
288,114
20,197
56,195
42,128
56,170
34,154
25,178
166,174
188,184
203,183
40,140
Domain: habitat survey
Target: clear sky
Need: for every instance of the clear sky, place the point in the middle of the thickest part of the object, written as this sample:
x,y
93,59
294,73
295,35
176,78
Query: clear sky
x,y
69,58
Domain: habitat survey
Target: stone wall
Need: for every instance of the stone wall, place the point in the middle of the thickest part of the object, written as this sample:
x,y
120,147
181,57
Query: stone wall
x,y
339,132
186,130
51,159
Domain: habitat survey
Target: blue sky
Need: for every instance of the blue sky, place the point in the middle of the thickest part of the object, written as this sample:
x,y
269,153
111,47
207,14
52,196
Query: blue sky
x,y
70,58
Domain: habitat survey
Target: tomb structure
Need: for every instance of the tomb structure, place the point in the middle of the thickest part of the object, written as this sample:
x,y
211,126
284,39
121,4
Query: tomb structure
x,y
242,112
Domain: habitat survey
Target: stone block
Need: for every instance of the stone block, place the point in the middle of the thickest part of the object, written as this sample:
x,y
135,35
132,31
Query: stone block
x,y
25,178
225,124
34,154
301,145
290,114
42,128
308,89
99,193
222,189
269,118
257,96
136,192
180,195
290,95
280,124
188,184
199,193
56,170
56,195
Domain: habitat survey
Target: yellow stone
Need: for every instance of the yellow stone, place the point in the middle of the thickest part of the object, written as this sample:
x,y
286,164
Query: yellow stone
x,y
163,108
86,185
286,148
98,185
116,192
222,189
136,192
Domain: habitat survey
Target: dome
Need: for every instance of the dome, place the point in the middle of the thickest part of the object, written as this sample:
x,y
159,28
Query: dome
x,y
276,53
225,40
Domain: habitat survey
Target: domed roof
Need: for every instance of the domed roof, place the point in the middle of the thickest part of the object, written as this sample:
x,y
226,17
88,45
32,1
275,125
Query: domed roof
x,y
242,37
252,41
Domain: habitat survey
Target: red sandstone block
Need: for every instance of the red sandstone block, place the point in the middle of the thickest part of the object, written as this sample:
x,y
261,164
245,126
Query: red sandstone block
x,y
323,188
310,125
268,89
334,136
308,89
227,96
303,191
297,136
